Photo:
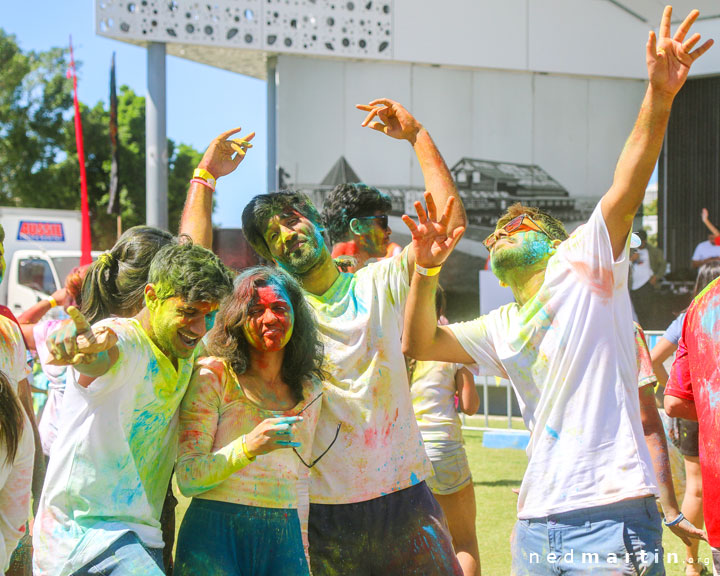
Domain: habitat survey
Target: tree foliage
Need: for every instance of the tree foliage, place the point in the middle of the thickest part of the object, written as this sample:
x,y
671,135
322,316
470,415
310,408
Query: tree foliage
x,y
38,158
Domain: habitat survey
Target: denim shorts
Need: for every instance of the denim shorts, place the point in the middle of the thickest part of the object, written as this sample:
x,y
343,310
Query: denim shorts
x,y
624,538
401,533
236,540
127,556
450,467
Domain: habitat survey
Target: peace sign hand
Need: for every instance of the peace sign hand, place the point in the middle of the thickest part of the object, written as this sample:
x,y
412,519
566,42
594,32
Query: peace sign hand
x,y
77,342
432,239
225,154
669,58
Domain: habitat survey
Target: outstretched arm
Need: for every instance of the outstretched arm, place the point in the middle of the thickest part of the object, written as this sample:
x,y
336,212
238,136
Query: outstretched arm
x,y
657,445
222,157
397,122
668,62
706,220
432,243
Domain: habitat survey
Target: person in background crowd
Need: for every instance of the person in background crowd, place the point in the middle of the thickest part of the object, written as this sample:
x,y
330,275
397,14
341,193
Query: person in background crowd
x,y
246,407
435,387
116,445
687,430
36,331
692,393
567,347
708,250
647,267
356,219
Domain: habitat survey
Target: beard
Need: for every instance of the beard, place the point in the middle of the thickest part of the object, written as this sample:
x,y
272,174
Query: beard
x,y
302,259
512,258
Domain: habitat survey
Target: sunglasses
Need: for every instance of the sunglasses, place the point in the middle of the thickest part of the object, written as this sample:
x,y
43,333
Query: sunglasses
x,y
522,223
382,220
337,432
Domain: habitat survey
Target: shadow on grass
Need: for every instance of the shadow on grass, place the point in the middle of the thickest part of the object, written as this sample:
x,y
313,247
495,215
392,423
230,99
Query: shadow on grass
x,y
498,483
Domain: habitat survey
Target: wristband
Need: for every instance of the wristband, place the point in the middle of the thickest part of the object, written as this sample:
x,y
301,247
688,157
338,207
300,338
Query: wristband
x,y
434,271
52,301
205,175
203,183
245,450
675,522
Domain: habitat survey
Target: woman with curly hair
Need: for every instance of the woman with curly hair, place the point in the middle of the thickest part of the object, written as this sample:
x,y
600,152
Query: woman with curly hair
x,y
254,399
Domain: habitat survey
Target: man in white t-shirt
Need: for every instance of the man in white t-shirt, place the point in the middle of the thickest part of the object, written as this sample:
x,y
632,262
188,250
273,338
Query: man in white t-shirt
x,y
371,511
587,501
117,436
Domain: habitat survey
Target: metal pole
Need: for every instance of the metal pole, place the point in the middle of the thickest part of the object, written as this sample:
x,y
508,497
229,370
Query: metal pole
x,y
273,177
156,155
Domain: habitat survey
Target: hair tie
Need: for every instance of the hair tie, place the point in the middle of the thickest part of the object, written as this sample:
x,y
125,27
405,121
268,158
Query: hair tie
x,y
106,259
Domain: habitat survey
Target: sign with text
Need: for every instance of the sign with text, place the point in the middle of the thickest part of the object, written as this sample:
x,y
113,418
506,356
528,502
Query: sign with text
x,y
41,231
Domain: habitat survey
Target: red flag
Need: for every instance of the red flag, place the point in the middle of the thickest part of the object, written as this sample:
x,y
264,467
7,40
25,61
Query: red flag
x,y
85,242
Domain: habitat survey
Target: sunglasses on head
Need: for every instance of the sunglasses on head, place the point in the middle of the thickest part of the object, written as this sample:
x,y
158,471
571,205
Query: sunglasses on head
x,y
522,223
382,220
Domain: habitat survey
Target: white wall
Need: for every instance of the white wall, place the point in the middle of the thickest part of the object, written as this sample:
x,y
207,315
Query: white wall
x,y
573,127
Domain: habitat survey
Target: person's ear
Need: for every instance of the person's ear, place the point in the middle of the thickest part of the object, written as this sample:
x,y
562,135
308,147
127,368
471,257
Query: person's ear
x,y
355,226
151,298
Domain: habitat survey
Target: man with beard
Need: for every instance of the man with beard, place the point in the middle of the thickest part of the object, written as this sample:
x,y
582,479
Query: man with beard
x,y
370,509
587,500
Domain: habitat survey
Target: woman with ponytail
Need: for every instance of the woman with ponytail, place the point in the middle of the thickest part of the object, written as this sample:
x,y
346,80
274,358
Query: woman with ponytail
x,y
17,451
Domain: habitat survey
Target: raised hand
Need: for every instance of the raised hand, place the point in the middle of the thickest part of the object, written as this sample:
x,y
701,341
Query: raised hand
x,y
395,121
77,343
272,434
669,57
432,239
225,154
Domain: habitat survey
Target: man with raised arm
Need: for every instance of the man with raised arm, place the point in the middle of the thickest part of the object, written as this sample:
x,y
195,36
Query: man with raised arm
x,y
118,433
371,511
587,501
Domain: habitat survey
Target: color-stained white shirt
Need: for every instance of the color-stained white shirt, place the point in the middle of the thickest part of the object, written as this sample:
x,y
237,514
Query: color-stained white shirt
x,y
379,449
215,414
433,394
115,450
570,355
15,478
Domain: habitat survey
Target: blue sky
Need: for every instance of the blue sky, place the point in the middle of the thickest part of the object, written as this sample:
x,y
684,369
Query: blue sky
x,y
202,101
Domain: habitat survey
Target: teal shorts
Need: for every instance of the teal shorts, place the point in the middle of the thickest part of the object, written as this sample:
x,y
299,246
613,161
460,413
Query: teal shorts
x,y
450,467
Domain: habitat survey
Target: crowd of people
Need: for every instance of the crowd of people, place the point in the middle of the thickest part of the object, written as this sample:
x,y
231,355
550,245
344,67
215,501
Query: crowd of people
x,y
309,407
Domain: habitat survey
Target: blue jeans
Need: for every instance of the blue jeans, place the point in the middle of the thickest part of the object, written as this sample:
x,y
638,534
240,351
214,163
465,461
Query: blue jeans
x,y
125,557
624,538
221,538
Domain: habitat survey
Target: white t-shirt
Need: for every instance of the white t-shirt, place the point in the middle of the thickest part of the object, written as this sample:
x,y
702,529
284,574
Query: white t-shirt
x,y
641,271
15,478
13,359
433,394
706,250
379,449
570,355
115,450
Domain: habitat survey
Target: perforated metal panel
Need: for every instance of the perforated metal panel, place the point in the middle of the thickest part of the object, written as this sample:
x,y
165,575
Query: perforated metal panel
x,y
356,28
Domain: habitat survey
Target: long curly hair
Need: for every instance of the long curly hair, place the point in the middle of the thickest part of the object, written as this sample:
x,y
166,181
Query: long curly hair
x,y
303,353
11,419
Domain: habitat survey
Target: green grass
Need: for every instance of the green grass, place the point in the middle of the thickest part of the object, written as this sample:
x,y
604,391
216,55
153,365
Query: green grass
x,y
495,474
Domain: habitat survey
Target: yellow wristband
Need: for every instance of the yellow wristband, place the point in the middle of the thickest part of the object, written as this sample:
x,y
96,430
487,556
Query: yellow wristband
x,y
245,450
205,175
428,271
52,301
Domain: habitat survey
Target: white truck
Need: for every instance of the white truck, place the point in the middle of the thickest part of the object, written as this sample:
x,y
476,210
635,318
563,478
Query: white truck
x,y
41,247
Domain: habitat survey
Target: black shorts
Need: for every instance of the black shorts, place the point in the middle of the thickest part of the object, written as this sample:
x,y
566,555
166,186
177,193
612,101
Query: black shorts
x,y
688,433
402,533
